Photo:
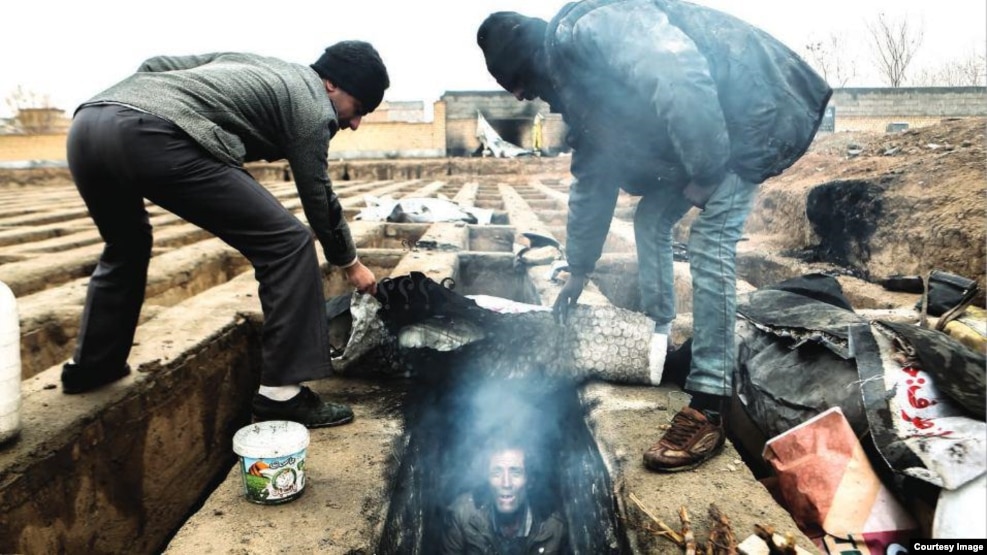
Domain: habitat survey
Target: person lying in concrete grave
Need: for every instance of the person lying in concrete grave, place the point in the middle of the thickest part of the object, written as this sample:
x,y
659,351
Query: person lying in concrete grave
x,y
177,132
499,516
685,106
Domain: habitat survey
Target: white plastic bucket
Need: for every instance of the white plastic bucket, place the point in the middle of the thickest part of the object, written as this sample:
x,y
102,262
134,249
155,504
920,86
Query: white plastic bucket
x,y
272,460
10,366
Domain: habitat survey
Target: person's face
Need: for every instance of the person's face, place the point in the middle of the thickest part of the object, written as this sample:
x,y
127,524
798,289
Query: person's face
x,y
521,83
508,480
521,92
531,81
349,110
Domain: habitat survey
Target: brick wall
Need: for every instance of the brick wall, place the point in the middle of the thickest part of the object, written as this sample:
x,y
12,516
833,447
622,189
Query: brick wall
x,y
553,131
439,123
453,129
495,105
461,137
32,147
408,111
390,139
871,109
461,134
880,123
372,140
511,119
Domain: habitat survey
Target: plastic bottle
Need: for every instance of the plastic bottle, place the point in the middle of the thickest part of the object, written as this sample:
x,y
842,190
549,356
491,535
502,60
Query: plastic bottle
x,y
10,366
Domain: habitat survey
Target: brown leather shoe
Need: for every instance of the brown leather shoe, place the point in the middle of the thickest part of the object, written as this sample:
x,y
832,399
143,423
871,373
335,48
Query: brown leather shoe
x,y
690,441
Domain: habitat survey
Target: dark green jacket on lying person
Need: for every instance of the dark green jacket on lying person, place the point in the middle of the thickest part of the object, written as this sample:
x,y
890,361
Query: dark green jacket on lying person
x,y
470,530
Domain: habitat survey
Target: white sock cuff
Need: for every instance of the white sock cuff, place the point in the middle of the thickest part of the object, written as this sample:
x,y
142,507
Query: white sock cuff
x,y
279,392
656,357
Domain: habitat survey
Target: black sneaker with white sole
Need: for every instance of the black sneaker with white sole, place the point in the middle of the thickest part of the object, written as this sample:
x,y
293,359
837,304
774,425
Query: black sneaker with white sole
x,y
306,408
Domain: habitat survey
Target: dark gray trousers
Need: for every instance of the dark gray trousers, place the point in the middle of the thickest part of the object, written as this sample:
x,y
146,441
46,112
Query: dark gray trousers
x,y
118,158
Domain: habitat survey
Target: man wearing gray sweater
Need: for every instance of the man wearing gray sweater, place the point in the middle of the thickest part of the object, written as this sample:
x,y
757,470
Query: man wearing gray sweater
x,y
177,133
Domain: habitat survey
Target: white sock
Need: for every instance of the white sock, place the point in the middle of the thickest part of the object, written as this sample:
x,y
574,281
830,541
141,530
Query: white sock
x,y
656,357
279,392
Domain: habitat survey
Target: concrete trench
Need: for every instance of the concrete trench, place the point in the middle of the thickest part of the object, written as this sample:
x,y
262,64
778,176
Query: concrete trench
x,y
146,465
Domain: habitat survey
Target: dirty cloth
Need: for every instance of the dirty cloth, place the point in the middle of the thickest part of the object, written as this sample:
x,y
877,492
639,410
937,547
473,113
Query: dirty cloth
x,y
793,359
421,210
493,143
396,333
918,392
919,430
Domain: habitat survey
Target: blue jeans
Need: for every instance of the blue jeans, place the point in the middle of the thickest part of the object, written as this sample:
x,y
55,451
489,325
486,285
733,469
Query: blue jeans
x,y
712,261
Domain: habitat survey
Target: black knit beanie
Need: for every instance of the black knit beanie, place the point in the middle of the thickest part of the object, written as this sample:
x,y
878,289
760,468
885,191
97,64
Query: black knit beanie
x,y
356,67
509,42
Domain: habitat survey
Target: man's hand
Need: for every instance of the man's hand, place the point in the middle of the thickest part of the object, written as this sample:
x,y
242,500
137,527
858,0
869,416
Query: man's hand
x,y
697,195
567,297
362,278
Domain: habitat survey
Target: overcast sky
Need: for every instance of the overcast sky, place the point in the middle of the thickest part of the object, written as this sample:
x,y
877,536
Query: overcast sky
x,y
71,50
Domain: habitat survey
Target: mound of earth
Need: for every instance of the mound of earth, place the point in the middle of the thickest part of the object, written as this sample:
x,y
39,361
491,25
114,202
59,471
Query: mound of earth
x,y
880,204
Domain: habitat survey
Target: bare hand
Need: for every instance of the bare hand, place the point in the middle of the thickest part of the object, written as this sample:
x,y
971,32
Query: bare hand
x,y
567,297
362,278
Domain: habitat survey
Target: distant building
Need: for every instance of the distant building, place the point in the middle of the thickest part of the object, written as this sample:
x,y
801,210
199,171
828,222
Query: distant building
x,y
515,122
401,130
404,111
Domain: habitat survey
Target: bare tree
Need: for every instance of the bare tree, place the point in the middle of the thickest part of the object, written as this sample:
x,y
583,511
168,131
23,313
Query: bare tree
x,y
829,57
970,71
895,44
33,112
975,70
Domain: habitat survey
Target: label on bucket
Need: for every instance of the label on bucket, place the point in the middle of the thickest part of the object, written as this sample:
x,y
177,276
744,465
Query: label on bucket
x,y
273,480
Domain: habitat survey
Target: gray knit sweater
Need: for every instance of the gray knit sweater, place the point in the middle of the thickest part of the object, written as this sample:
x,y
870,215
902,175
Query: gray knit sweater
x,y
243,107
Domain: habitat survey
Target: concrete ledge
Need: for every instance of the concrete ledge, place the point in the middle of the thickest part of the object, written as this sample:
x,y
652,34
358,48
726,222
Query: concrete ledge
x,y
122,466
625,421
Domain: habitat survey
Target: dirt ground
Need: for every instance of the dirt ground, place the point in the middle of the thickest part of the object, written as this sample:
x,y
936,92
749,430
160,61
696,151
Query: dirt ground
x,y
901,203
915,203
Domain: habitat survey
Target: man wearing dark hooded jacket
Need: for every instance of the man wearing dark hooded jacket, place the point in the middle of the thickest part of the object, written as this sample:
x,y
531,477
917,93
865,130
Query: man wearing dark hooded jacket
x,y
685,106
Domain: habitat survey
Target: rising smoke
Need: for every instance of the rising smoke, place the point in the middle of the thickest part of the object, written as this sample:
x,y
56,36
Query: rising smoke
x,y
464,401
